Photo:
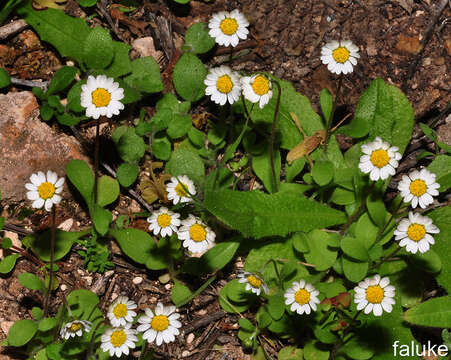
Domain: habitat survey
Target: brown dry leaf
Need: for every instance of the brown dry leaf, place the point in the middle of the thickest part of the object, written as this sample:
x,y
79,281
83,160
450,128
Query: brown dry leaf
x,y
409,44
406,5
448,46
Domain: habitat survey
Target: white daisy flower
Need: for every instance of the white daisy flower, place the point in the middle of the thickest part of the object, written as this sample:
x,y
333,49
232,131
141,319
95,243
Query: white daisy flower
x,y
196,236
253,282
75,328
340,56
160,326
257,89
44,190
418,187
119,340
101,97
379,160
414,233
227,28
223,85
375,294
177,191
164,222
302,297
121,311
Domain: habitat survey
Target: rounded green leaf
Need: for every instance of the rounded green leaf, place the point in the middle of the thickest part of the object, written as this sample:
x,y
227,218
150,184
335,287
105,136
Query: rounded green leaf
x,y
179,126
127,174
31,281
186,162
323,172
188,77
376,209
82,302
7,264
354,270
62,79
180,293
101,219
22,332
354,248
108,190
198,40
276,306
290,353
145,75
5,80
130,146
314,351
47,324
161,148
98,49
80,175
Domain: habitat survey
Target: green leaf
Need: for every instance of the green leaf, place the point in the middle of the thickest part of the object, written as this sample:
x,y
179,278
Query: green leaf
x,y
180,293
326,102
31,281
314,351
188,77
233,297
186,162
357,349
383,110
108,190
161,148
80,175
130,146
121,64
197,137
290,353
354,270
354,248
37,313
5,80
258,215
433,313
179,126
428,261
135,243
46,112
65,33
320,253
68,120
376,209
441,166
197,39
87,3
145,75
323,172
40,243
98,49
7,264
261,164
101,219
276,306
73,97
127,174
442,219
47,324
82,302
294,169
342,196
214,259
22,332
62,79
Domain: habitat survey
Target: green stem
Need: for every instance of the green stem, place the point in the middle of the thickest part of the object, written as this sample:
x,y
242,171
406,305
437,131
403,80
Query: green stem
x,y
388,257
52,253
272,138
340,341
392,216
96,160
334,107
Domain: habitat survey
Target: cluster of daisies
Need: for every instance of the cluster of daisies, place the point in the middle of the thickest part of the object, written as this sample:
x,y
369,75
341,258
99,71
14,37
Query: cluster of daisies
x,y
160,325
374,294
196,236
380,160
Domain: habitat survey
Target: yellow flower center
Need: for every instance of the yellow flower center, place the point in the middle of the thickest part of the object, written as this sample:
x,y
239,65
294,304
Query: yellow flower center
x,y
418,187
224,84
341,55
164,220
75,327
179,189
46,190
374,294
261,85
160,322
100,97
379,158
229,26
197,233
118,338
120,310
302,296
254,281
416,232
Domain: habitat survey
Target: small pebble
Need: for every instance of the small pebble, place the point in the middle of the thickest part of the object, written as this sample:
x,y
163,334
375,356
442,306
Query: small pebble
x,y
168,286
185,353
63,287
190,338
137,280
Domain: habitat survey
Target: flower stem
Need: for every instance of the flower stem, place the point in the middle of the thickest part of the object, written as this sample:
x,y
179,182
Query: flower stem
x,y
96,160
334,107
272,138
394,252
387,224
52,253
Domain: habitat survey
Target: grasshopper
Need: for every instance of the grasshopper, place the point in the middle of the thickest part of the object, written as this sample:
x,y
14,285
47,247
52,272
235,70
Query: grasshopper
x,y
309,143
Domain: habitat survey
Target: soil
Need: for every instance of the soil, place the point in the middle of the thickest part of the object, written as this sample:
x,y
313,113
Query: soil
x,y
405,42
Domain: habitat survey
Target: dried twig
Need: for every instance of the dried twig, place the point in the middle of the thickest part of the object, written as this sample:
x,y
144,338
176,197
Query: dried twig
x,y
195,324
30,83
12,28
